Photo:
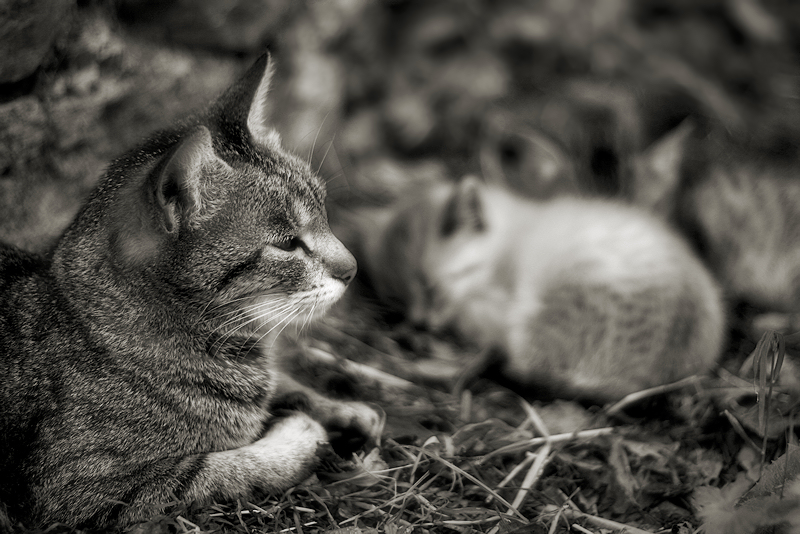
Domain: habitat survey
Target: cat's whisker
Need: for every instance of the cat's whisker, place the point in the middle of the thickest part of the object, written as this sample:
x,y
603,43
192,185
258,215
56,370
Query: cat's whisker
x,y
289,313
252,320
233,301
203,312
246,309
222,304
288,322
263,309
309,315
206,309
236,315
260,307
342,172
333,176
324,156
288,319
316,136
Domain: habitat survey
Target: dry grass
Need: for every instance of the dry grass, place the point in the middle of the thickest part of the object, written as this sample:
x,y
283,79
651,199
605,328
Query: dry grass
x,y
487,461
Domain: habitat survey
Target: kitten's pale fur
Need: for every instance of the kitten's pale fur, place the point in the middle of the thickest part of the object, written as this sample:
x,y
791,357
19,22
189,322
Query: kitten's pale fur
x,y
586,298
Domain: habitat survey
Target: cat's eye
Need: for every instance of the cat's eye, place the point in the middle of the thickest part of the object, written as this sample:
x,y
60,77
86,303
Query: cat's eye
x,y
289,243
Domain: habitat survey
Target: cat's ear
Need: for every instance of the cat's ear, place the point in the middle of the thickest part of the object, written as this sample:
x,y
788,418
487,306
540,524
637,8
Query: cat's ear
x,y
179,185
657,171
463,211
171,195
258,113
247,103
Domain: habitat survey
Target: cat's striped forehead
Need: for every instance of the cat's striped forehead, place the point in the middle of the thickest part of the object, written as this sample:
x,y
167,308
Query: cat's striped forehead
x,y
293,178
274,169
288,190
280,183
303,196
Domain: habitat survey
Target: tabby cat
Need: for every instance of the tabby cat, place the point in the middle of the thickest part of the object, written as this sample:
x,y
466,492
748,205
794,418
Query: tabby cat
x,y
740,207
135,359
581,298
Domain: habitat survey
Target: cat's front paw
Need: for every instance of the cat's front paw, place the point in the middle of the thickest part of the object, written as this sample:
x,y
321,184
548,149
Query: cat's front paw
x,y
294,444
353,425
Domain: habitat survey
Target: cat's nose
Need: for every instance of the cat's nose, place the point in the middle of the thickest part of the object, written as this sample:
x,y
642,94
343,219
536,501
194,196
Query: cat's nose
x,y
341,265
347,269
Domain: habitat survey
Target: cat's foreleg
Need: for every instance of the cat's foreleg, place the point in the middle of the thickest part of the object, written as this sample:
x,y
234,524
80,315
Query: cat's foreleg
x,y
135,490
285,456
350,424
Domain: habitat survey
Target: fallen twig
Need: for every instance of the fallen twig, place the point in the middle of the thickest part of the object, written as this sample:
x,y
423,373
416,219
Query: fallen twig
x,y
535,442
599,522
636,397
531,476
356,368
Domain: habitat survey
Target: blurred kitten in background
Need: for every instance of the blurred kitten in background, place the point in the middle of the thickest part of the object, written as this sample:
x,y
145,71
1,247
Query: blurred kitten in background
x,y
578,298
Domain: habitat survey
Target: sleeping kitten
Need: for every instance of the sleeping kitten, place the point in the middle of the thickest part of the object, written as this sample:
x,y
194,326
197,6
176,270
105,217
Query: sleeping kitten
x,y
583,298
135,360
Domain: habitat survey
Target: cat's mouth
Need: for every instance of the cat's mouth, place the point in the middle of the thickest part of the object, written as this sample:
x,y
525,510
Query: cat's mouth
x,y
271,316
266,314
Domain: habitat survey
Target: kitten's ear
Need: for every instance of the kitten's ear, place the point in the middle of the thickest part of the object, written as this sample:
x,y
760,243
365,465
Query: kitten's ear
x,y
246,102
657,171
464,209
178,185
550,162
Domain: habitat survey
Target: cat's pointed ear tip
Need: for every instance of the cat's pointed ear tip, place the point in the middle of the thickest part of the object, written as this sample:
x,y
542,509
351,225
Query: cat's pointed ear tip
x,y
266,64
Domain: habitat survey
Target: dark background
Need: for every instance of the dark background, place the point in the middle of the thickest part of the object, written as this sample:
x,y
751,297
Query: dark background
x,y
382,93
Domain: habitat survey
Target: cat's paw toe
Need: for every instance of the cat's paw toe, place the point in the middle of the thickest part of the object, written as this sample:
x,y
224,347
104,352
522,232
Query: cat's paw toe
x,y
353,425
301,427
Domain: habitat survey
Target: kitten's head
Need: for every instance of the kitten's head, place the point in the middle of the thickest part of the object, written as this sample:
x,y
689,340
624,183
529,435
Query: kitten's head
x,y
438,253
222,219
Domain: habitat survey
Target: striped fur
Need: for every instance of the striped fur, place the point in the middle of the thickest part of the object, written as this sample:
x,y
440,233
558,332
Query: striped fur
x,y
136,361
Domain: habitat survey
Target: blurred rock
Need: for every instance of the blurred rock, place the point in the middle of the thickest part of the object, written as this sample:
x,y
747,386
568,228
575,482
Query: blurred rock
x,y
230,25
311,87
111,91
28,29
23,127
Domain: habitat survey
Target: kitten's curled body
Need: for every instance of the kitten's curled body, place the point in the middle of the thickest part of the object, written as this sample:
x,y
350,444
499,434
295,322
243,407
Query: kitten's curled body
x,y
135,362
585,298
